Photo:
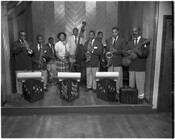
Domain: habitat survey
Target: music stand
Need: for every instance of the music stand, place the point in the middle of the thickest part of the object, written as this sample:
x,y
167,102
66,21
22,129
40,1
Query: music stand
x,y
69,85
106,85
32,85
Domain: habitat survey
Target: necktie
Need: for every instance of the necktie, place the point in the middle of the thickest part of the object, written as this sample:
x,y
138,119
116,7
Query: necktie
x,y
135,42
115,41
76,40
52,48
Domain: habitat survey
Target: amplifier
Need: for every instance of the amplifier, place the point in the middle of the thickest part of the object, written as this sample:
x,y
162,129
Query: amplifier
x,y
128,95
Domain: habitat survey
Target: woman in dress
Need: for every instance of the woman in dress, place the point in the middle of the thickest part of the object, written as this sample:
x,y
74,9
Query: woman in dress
x,y
62,53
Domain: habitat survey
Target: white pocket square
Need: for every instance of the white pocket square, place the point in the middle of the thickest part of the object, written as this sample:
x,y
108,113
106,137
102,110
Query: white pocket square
x,y
95,47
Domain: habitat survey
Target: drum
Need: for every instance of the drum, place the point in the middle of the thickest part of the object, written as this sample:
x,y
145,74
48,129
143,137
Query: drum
x,y
51,68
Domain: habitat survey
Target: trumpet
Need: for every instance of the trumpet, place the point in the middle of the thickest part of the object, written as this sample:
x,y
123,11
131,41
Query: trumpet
x,y
26,45
109,56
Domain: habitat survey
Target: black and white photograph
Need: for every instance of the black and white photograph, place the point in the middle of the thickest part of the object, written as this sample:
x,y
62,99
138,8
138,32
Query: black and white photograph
x,y
87,69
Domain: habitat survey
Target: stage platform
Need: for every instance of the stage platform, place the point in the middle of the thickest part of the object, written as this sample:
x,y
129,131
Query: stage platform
x,y
86,103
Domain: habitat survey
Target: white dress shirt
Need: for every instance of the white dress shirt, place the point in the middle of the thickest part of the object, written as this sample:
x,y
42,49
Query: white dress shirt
x,y
61,48
113,39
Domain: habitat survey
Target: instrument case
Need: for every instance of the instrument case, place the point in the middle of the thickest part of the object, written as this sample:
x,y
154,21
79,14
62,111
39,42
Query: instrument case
x,y
128,95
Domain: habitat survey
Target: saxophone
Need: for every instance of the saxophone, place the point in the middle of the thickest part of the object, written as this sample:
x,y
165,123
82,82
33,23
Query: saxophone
x,y
88,53
109,56
42,60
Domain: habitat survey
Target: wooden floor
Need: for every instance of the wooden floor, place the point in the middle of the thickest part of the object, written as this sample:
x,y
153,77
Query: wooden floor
x,y
157,125
52,98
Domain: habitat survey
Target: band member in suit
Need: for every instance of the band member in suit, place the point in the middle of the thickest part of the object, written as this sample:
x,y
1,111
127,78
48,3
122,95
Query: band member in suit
x,y
93,50
51,47
102,58
62,53
40,58
72,42
138,65
50,63
116,45
23,52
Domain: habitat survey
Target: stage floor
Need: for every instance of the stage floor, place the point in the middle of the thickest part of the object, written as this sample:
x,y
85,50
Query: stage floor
x,y
52,98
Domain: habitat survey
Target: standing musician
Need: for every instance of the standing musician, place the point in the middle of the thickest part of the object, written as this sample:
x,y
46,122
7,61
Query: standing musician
x,y
79,54
62,53
40,58
51,47
139,51
51,61
72,42
115,46
103,57
93,50
23,61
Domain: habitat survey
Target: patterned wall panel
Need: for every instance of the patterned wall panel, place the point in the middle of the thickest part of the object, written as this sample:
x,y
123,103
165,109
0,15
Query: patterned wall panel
x,y
90,16
111,16
49,20
101,18
37,19
74,15
59,13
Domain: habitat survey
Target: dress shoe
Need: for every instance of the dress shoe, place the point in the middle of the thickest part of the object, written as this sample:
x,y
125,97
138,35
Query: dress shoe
x,y
45,89
88,89
94,90
116,97
140,101
22,96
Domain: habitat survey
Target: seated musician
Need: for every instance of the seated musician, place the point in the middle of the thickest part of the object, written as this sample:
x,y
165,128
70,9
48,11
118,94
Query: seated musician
x,y
115,45
62,53
72,42
23,57
40,58
138,66
93,50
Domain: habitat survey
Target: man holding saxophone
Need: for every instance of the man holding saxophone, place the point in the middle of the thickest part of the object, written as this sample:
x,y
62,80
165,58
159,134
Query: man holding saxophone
x,y
23,61
114,48
40,58
93,50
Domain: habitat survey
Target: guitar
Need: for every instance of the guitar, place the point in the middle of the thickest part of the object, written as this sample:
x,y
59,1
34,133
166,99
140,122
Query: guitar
x,y
132,54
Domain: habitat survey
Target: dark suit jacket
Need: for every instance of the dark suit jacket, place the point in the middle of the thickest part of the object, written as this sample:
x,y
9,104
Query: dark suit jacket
x,y
23,60
36,56
50,50
139,64
119,46
95,56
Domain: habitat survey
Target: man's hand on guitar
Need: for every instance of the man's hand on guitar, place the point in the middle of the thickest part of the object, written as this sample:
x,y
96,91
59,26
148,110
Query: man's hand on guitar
x,y
138,51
